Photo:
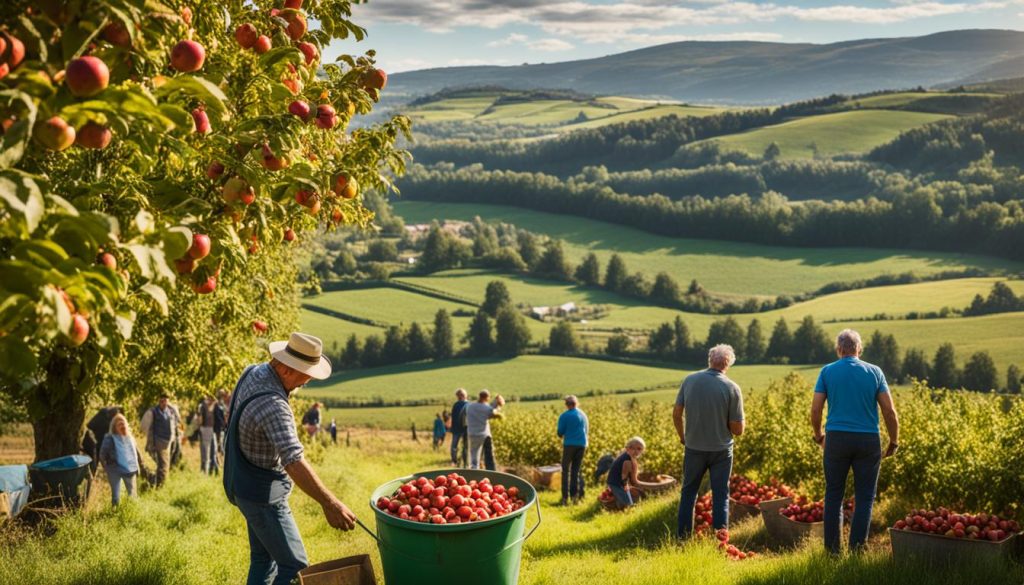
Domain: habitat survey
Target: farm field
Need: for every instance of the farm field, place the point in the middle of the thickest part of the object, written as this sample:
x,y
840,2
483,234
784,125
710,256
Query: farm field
x,y
721,267
144,540
914,99
332,329
599,111
855,131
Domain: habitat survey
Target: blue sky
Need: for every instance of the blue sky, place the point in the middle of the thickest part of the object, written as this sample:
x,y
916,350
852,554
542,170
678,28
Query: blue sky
x,y
417,34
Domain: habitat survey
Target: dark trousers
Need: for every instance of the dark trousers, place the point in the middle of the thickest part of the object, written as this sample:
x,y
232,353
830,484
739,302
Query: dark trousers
x,y
861,452
695,464
460,457
489,463
572,477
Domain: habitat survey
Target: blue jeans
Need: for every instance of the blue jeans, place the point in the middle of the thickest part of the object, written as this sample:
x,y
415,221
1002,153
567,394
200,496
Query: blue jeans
x,y
622,496
863,453
276,554
459,457
115,477
572,477
695,464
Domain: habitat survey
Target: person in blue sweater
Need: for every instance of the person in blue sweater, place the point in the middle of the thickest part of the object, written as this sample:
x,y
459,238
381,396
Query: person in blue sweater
x,y
120,457
573,427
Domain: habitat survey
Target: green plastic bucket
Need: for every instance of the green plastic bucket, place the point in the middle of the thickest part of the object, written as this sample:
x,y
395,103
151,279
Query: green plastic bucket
x,y
486,552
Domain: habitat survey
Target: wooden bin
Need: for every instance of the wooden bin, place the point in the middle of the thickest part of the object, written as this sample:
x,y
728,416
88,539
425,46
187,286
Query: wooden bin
x,y
939,549
738,511
355,570
786,532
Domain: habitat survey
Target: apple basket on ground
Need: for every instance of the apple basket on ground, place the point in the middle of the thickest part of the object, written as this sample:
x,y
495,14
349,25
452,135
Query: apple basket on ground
x,y
945,537
486,549
746,497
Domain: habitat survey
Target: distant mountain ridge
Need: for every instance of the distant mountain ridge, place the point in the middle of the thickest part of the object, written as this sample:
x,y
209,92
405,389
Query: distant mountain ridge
x,y
749,72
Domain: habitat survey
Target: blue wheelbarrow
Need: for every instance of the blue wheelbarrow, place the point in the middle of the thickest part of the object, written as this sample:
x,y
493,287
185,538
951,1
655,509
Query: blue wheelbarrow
x,y
62,477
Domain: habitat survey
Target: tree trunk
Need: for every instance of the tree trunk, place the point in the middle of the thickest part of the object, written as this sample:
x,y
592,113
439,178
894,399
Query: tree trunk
x,y
59,410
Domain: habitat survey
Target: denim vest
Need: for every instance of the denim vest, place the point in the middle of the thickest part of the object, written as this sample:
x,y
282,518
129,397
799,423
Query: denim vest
x,y
242,479
162,424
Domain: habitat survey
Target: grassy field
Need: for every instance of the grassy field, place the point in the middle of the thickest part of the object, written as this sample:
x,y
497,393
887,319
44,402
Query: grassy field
x,y
331,329
919,100
549,112
188,534
828,135
721,267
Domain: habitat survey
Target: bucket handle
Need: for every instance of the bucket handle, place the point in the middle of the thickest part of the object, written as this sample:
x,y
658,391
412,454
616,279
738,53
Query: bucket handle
x,y
517,542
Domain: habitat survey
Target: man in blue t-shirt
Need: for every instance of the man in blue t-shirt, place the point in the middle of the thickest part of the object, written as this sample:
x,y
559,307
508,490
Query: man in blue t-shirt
x,y
573,427
854,390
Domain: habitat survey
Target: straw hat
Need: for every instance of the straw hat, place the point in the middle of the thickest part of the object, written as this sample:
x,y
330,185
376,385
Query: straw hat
x,y
302,353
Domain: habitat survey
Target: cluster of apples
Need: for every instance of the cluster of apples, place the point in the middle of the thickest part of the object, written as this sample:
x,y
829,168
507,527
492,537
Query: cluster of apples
x,y
731,550
748,492
199,249
810,512
450,499
944,522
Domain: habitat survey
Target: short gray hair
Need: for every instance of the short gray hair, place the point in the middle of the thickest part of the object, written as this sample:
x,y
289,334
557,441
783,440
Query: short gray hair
x,y
571,399
721,354
848,342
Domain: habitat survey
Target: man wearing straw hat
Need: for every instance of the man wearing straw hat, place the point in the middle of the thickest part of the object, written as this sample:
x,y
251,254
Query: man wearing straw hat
x,y
263,457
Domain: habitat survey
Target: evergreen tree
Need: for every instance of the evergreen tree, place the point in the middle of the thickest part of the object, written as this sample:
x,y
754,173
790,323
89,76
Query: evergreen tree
x,y
781,343
437,250
665,290
479,336
884,352
773,152
944,372
618,345
615,273
563,339
695,288
755,349
418,343
915,365
1013,379
728,331
495,297
513,335
980,373
350,355
636,285
589,271
373,348
810,344
552,263
529,251
681,344
442,339
660,341
396,346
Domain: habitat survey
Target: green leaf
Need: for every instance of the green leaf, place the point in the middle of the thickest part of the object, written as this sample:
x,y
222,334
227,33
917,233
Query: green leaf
x,y
177,114
40,45
125,323
42,253
144,221
177,241
198,88
158,294
280,55
15,139
16,358
141,253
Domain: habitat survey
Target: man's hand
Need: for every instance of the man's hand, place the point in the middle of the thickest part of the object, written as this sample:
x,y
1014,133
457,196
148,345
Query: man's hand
x,y
339,516
891,450
820,440
682,440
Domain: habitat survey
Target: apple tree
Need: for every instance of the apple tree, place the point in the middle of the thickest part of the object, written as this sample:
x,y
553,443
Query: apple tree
x,y
158,162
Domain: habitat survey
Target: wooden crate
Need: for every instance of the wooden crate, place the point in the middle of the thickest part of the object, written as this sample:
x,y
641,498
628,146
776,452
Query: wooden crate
x,y
738,511
786,532
355,570
939,549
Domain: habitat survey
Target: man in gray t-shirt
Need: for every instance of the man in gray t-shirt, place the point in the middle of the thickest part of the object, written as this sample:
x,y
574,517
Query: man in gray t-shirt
x,y
713,409
478,430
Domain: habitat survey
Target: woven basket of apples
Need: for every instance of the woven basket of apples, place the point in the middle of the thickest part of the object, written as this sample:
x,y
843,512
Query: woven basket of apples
x,y
942,536
650,484
746,497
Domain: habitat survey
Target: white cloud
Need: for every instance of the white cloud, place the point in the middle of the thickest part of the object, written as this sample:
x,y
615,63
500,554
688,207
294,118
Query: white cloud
x,y
550,45
640,21
512,39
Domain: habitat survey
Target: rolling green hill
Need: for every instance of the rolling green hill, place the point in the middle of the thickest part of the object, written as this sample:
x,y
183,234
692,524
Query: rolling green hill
x,y
852,132
721,267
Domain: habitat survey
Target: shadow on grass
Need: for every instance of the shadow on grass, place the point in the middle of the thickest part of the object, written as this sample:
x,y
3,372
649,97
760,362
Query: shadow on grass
x,y
879,567
646,526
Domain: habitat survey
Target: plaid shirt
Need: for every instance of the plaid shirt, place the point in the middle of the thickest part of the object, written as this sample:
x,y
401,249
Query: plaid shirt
x,y
266,431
